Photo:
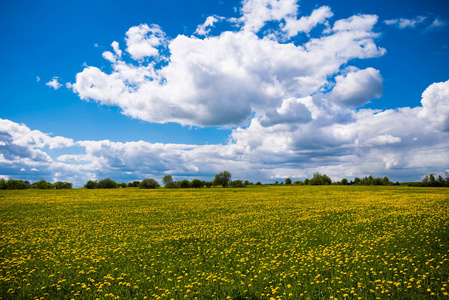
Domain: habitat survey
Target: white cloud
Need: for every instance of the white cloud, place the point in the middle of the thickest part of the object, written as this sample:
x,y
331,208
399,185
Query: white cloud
x,y
357,88
54,83
143,41
305,24
406,23
437,23
435,102
205,78
204,29
255,13
38,78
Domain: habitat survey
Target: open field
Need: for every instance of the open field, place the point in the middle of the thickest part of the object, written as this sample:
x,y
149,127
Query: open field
x,y
317,242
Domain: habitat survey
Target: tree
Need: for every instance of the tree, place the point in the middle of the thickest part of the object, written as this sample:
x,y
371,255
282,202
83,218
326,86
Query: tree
x,y
91,184
258,183
166,179
62,185
184,184
222,178
107,183
134,184
42,184
237,183
148,183
209,184
288,181
344,181
121,185
170,185
196,183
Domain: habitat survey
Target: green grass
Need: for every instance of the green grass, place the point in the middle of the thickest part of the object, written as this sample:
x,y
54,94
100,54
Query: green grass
x,y
262,242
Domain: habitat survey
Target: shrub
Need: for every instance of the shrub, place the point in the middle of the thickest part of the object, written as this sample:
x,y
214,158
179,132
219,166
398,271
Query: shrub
x,y
91,184
237,183
42,184
170,185
107,183
196,183
184,184
148,183
62,185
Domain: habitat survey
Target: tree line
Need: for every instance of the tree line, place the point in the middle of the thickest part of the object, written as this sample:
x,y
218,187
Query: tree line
x,y
223,179
14,184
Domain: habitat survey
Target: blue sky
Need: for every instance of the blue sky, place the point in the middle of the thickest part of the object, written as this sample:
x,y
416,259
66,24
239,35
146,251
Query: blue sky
x,y
266,89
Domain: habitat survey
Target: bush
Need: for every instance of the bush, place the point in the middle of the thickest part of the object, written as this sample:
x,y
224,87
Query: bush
x,y
170,185
196,183
62,185
237,184
183,184
134,184
258,183
107,183
42,184
209,184
148,183
91,184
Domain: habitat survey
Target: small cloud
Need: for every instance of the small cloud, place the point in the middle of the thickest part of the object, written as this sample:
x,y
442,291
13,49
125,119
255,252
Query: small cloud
x,y
54,83
437,23
34,169
96,45
38,78
22,170
406,23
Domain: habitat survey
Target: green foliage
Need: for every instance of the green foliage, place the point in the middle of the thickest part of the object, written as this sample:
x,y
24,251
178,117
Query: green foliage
x,y
134,184
148,183
14,184
196,183
237,184
62,185
91,184
288,181
258,183
121,185
319,179
170,185
300,242
209,184
41,184
298,182
167,179
107,183
183,184
222,178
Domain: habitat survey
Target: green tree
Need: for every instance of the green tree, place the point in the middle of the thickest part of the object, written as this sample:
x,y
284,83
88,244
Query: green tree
x,y
237,183
148,183
344,181
288,181
42,184
107,183
91,184
184,184
166,179
62,185
222,178
196,183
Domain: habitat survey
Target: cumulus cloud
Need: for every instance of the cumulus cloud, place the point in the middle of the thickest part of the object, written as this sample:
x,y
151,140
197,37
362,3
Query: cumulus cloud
x,y
290,105
435,102
143,41
54,83
225,80
357,88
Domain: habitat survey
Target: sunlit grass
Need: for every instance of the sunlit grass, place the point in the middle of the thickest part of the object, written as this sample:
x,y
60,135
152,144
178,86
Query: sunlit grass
x,y
331,242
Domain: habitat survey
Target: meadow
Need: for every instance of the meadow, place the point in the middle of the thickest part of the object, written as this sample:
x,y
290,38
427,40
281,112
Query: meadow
x,y
264,242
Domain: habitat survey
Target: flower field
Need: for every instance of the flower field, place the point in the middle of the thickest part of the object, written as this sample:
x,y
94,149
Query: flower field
x,y
264,242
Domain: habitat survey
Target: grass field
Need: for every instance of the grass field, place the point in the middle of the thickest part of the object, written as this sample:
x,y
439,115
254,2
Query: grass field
x,y
269,242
